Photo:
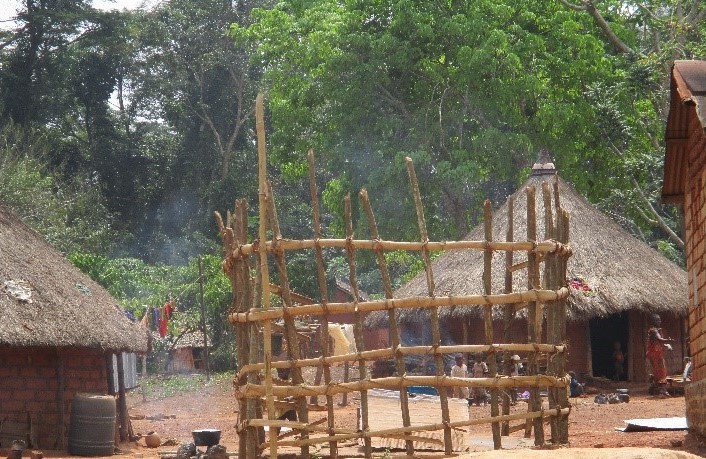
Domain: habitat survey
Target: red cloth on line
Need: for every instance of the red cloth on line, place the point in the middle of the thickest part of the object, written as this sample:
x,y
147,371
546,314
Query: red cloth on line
x,y
655,354
162,325
168,309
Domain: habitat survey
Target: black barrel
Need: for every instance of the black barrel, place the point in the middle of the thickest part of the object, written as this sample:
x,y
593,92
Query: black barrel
x,y
92,426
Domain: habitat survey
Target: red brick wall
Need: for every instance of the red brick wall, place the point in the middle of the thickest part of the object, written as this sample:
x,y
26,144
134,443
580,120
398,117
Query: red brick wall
x,y
29,387
694,216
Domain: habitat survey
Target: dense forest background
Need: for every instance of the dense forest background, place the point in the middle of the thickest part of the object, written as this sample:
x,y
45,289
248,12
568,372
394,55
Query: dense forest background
x,y
122,132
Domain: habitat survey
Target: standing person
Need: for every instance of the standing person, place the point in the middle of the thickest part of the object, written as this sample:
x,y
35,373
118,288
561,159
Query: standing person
x,y
479,370
515,371
460,371
656,344
618,362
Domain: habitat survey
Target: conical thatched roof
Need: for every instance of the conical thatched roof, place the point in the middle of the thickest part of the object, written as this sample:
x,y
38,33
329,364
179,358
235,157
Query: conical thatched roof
x,y
46,301
621,271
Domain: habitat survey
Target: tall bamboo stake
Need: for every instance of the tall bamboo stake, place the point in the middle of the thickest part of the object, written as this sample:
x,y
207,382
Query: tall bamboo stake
x,y
533,309
508,308
289,326
264,270
550,280
394,330
435,329
488,316
563,399
358,328
323,289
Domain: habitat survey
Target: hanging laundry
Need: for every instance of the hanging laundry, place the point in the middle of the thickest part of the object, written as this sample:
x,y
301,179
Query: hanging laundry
x,y
163,324
168,309
155,318
145,322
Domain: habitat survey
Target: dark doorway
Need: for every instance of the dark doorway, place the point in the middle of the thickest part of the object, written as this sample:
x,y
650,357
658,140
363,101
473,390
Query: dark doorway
x,y
605,333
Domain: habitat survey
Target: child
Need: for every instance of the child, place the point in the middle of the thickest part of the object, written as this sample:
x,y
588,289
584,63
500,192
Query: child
x,y
515,371
479,370
618,362
575,387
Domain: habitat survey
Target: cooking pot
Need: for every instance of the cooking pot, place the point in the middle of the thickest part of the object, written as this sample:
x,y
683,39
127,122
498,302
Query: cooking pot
x,y
206,437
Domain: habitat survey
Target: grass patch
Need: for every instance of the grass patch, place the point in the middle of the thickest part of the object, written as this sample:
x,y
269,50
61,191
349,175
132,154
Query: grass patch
x,y
163,386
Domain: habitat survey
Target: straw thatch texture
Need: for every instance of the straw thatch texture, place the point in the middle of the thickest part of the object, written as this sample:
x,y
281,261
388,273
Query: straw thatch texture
x,y
622,272
66,308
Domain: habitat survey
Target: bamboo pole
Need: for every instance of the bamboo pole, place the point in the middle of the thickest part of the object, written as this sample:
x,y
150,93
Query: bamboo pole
x,y
358,328
435,328
378,244
488,319
399,382
533,332
264,270
290,329
409,350
259,314
389,433
323,289
563,400
508,310
550,280
394,330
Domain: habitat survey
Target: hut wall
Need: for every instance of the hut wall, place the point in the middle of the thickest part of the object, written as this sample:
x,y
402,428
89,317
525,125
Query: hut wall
x,y
181,360
694,220
30,385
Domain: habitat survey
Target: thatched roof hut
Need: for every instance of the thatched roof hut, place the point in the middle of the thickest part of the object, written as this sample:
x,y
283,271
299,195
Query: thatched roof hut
x,y
619,272
58,333
63,307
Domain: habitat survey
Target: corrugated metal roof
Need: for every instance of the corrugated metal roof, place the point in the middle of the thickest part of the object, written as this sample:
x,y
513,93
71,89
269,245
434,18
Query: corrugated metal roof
x,y
688,99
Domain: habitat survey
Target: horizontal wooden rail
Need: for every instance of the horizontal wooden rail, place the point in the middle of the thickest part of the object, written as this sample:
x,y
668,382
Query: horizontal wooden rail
x,y
425,428
537,295
408,350
250,390
371,244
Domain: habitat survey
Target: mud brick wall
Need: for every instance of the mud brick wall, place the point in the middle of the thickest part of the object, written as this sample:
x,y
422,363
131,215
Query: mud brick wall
x,y
29,391
694,221
696,406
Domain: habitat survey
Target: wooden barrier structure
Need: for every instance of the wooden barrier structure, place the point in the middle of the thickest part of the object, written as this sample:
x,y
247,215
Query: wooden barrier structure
x,y
253,316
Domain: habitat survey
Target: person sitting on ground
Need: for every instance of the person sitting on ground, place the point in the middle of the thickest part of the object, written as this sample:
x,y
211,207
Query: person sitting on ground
x,y
575,387
460,371
686,375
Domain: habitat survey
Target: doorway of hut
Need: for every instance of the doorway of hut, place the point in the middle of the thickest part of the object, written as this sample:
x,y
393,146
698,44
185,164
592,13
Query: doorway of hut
x,y
607,333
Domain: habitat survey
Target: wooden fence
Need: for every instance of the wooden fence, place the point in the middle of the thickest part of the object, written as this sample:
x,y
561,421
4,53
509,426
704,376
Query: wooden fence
x,y
253,317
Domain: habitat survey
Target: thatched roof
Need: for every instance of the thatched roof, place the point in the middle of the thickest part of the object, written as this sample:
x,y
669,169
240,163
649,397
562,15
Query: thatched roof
x,y
622,272
46,301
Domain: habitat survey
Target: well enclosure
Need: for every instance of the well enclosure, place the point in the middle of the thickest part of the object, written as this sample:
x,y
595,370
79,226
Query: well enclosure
x,y
263,397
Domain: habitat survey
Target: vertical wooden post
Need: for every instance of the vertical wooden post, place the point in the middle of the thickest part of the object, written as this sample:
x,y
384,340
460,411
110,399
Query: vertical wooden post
x,y
508,311
435,328
203,321
534,313
563,427
358,328
122,402
488,316
60,396
289,325
550,282
264,270
323,289
392,316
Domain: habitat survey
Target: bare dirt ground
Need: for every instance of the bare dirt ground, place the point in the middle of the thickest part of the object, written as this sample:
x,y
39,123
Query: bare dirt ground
x,y
591,425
